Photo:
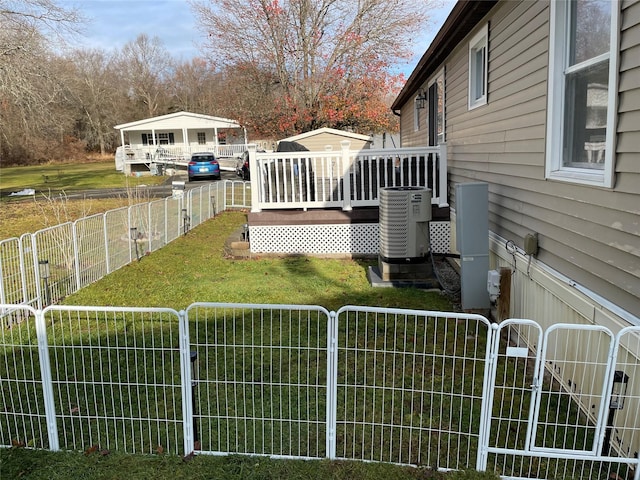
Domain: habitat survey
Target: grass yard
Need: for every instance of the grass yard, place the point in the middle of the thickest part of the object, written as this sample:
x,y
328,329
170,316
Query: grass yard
x,y
69,177
41,465
89,351
35,213
194,269
49,206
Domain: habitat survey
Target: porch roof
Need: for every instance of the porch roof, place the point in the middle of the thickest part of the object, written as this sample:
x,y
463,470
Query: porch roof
x,y
179,121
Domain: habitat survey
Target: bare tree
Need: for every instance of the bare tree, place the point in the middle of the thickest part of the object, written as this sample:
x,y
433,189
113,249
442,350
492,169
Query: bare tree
x,y
96,93
147,64
314,48
45,17
195,87
30,88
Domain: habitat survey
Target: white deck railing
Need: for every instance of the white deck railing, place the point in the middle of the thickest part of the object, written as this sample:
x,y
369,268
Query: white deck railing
x,y
178,154
343,179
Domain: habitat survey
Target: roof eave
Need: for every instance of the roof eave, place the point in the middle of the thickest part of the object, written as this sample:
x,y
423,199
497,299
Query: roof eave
x,y
463,18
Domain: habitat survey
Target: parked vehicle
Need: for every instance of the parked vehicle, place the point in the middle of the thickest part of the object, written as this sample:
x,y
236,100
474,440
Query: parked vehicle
x,y
242,166
203,164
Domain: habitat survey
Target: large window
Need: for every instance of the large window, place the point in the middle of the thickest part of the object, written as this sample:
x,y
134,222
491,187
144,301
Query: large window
x,y
478,68
160,139
147,139
582,91
165,138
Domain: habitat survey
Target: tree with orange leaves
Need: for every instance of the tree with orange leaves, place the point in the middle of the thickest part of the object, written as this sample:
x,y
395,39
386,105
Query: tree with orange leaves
x,y
318,62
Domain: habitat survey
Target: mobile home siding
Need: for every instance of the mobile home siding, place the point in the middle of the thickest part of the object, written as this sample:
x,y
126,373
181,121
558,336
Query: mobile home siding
x,y
628,128
590,235
323,140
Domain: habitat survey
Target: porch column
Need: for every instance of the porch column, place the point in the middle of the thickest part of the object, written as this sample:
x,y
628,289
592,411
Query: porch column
x,y
256,179
186,149
215,139
346,181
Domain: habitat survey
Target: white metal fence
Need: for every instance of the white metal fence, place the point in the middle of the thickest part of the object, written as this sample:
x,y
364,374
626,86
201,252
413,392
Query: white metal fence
x,y
437,389
42,268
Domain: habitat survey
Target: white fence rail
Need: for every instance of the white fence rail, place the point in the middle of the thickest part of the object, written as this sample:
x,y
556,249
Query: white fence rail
x,y
41,268
343,179
174,154
437,389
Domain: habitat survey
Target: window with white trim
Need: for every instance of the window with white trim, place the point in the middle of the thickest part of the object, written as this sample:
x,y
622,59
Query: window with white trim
x,y
478,68
581,106
202,138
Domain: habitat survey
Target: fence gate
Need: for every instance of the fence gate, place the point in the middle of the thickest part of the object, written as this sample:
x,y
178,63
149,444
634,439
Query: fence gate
x,y
409,386
549,403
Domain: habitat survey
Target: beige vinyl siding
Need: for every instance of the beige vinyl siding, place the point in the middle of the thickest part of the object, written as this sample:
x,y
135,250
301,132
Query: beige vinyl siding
x,y
317,143
591,235
628,128
410,136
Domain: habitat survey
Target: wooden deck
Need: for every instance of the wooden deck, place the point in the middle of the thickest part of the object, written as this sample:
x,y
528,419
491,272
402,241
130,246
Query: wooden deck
x,y
334,216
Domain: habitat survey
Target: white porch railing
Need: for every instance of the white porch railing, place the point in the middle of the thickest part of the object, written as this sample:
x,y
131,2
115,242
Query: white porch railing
x,y
343,179
178,154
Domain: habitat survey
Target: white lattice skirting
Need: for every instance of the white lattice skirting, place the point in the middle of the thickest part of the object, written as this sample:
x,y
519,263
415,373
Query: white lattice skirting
x,y
355,238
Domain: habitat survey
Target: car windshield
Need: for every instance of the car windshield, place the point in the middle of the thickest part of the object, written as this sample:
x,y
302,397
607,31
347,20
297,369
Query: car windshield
x,y
208,158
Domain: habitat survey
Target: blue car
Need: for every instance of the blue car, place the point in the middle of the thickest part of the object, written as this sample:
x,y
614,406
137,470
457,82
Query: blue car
x,y
203,165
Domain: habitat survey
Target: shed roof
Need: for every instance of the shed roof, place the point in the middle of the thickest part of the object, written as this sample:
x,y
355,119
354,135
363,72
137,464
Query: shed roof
x,y
319,131
179,120
464,16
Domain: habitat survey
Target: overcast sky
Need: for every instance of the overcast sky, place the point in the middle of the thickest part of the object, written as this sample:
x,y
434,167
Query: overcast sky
x,y
116,22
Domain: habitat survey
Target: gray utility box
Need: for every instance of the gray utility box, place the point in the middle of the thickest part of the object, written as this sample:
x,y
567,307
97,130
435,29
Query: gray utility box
x,y
472,242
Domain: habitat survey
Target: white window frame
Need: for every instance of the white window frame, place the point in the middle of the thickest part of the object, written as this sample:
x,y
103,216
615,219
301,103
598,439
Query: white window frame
x,y
480,41
202,138
558,54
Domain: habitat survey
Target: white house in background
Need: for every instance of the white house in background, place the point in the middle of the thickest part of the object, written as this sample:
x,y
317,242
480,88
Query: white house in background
x,y
322,138
169,140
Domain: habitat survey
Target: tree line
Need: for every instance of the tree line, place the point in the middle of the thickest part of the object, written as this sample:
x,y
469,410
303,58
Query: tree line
x,y
279,67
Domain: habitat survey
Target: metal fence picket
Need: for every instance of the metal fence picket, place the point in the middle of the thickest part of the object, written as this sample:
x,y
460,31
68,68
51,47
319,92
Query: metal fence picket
x,y
398,398
260,379
551,394
437,389
26,417
116,376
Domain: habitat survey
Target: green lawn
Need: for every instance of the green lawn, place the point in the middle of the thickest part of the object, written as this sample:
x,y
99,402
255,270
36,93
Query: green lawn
x,y
32,465
194,268
69,177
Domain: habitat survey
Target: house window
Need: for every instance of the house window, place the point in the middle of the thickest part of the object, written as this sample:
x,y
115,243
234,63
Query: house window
x,y
147,139
202,139
478,68
435,112
582,93
165,138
